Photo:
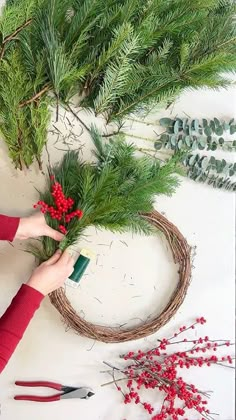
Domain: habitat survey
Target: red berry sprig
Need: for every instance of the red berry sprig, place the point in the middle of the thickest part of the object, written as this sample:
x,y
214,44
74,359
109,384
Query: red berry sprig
x,y
61,208
157,369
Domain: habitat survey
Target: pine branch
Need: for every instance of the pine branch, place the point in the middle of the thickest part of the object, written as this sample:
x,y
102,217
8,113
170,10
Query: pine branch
x,y
116,76
35,97
12,36
142,98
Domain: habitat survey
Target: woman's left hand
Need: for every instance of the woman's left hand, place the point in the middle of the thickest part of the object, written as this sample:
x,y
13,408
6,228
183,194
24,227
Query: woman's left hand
x,y
35,226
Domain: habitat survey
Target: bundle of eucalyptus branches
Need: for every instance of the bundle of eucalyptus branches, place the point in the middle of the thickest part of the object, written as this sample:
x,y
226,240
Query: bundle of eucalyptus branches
x,y
190,139
119,57
111,193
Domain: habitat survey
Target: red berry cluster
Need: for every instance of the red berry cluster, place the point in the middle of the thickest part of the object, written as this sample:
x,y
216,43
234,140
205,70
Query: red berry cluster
x,y
62,205
155,369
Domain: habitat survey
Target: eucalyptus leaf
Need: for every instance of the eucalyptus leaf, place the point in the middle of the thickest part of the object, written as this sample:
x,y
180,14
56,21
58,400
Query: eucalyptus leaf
x,y
221,141
203,177
192,160
185,122
223,163
194,145
196,125
213,146
170,129
226,169
180,122
186,130
204,163
164,139
212,160
176,127
188,141
216,121
165,122
173,140
158,145
219,130
212,126
204,123
231,121
232,129
208,131
202,143
200,147
180,144
231,172
219,166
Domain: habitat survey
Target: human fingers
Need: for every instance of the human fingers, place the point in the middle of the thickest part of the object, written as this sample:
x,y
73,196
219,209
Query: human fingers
x,y
55,258
66,259
52,233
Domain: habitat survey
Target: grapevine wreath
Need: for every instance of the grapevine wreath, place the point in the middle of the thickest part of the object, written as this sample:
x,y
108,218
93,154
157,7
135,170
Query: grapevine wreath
x,y
115,192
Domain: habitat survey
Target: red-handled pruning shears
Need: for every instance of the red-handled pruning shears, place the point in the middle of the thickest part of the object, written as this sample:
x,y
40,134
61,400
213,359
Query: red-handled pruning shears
x,y
65,391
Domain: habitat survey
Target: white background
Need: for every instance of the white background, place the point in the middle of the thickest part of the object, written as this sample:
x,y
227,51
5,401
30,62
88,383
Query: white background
x,y
127,281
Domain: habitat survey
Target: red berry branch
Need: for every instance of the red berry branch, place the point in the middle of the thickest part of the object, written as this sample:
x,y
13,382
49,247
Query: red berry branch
x,y
157,369
62,205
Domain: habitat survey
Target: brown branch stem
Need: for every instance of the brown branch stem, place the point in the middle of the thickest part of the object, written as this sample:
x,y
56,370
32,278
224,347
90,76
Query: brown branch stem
x,y
35,97
12,36
78,118
115,133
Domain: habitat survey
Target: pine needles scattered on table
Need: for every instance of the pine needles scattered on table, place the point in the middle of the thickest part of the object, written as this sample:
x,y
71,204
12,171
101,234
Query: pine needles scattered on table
x,y
120,57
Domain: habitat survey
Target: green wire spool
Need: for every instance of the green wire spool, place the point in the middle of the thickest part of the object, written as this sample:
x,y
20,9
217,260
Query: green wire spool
x,y
79,268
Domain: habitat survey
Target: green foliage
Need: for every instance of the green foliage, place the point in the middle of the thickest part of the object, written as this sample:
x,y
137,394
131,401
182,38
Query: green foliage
x,y
113,192
192,128
184,136
120,57
15,14
215,172
24,129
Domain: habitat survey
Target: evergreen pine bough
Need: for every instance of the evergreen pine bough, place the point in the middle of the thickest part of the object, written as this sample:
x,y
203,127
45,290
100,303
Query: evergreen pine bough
x,y
112,193
120,57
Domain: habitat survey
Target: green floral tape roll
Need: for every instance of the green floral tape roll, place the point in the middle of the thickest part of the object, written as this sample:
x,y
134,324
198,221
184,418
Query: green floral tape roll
x,y
81,265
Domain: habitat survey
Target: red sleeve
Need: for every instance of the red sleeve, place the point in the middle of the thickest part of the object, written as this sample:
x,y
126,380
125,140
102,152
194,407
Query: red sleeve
x,y
8,227
16,319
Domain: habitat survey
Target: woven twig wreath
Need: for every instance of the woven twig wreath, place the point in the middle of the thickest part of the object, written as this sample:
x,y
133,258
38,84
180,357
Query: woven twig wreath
x,y
181,255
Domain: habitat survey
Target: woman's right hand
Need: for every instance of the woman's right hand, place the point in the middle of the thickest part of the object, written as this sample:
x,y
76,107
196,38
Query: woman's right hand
x,y
52,274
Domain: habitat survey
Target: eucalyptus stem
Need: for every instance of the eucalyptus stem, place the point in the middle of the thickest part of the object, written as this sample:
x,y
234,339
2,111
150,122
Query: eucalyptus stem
x,y
138,137
142,121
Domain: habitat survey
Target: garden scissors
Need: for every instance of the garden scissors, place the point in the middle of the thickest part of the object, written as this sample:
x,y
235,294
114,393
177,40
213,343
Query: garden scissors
x,y
66,392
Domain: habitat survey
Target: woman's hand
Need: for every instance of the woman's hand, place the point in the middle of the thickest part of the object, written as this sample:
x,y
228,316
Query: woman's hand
x,y
35,226
52,274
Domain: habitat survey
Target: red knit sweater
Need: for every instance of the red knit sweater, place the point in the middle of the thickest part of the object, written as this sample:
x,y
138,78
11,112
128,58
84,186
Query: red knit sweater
x,y
15,320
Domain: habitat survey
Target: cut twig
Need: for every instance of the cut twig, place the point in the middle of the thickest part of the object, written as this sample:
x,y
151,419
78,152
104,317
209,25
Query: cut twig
x,y
78,118
35,97
12,36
